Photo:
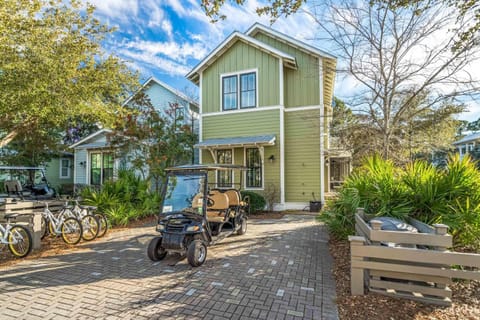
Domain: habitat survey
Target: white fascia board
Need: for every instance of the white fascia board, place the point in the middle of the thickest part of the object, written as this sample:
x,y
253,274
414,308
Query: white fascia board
x,y
235,36
301,45
93,135
166,86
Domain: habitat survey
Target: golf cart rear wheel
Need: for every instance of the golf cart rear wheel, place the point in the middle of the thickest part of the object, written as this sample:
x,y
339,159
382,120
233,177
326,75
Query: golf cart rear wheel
x,y
196,253
243,227
155,252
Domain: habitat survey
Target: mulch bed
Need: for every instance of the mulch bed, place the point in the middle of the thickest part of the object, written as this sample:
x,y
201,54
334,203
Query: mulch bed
x,y
266,215
466,297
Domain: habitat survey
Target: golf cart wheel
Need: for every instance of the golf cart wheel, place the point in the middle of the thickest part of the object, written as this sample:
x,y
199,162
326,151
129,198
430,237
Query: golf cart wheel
x,y
243,227
196,253
155,252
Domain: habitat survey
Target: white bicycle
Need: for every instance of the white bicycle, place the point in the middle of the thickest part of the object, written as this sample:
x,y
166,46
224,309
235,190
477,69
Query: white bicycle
x,y
16,237
63,224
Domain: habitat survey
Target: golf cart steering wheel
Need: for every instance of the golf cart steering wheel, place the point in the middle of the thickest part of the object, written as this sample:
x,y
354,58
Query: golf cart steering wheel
x,y
210,202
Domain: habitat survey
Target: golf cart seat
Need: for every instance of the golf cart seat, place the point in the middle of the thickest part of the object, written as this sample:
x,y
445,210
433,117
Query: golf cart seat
x,y
13,187
217,212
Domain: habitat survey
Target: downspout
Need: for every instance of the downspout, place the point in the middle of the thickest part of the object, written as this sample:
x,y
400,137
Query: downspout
x,y
282,136
200,119
322,121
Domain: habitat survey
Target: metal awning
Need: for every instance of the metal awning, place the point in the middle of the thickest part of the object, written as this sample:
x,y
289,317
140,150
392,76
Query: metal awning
x,y
257,141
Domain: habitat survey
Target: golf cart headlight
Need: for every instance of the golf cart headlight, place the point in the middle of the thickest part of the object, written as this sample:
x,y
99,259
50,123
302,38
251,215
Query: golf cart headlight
x,y
193,228
160,227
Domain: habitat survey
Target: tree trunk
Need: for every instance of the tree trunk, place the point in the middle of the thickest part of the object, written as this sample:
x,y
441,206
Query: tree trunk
x,y
8,138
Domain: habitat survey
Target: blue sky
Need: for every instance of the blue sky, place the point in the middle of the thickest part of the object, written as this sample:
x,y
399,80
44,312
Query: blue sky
x,y
167,38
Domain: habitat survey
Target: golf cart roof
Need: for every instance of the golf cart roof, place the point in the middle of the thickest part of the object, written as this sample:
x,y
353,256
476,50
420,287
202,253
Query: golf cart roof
x,y
20,168
206,167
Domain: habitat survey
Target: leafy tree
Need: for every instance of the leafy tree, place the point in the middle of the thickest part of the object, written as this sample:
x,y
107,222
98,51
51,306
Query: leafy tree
x,y
276,9
53,69
151,140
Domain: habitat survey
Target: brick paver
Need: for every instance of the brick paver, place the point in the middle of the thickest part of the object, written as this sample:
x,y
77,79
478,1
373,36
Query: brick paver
x,y
281,269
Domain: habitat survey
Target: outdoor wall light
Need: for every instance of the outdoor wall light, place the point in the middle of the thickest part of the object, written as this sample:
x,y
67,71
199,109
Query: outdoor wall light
x,y
83,163
271,158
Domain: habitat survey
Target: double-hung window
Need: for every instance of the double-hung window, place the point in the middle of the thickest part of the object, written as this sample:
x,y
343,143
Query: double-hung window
x,y
239,91
64,168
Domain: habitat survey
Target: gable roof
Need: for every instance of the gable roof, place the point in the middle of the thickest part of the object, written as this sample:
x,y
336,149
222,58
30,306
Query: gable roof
x,y
288,60
93,135
329,61
166,86
258,27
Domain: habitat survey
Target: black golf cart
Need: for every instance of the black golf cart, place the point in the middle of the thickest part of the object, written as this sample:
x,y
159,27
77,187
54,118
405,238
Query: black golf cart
x,y
196,214
25,182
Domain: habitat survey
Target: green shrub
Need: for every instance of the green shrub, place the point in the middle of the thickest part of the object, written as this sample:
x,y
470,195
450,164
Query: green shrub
x,y
339,215
257,201
123,200
449,195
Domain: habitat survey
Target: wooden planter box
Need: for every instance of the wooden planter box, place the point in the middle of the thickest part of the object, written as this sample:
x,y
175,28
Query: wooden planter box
x,y
418,267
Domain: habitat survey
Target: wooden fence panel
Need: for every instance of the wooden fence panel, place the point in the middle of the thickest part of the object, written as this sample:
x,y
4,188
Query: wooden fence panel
x,y
418,274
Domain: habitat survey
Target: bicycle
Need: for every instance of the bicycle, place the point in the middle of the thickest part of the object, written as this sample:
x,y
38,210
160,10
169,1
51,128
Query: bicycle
x,y
91,210
16,237
61,224
90,223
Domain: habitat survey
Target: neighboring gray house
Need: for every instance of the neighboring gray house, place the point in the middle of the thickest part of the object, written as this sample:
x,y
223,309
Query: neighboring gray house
x,y
94,159
467,144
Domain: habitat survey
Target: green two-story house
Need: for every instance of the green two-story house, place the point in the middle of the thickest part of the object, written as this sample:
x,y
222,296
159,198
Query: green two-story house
x,y
265,101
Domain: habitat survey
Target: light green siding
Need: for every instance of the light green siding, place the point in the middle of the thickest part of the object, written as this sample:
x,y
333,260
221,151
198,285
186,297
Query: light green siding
x,y
242,124
52,173
241,57
301,86
247,124
302,156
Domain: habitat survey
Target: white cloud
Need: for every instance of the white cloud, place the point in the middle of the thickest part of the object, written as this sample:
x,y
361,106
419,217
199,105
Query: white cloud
x,y
167,27
175,51
155,13
177,6
122,10
163,64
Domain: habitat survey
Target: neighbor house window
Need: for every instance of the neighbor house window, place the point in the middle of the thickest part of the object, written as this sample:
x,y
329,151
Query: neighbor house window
x,y
254,168
101,167
64,168
239,91
224,178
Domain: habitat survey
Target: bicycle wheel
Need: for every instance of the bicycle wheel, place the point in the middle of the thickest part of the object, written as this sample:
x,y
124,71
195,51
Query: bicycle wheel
x,y
90,226
19,241
71,231
102,224
44,228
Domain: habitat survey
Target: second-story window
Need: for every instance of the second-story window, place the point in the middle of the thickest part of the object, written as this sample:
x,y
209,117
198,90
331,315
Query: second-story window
x,y
229,85
239,91
247,90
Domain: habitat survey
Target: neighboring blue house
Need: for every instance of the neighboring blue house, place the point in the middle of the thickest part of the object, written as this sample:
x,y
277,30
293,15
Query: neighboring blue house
x,y
94,159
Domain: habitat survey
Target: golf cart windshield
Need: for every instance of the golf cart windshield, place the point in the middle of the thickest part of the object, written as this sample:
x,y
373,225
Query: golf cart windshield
x,y
184,193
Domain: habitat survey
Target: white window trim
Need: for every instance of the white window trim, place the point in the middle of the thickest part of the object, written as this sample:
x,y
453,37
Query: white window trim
x,y
89,165
68,167
261,152
233,162
238,74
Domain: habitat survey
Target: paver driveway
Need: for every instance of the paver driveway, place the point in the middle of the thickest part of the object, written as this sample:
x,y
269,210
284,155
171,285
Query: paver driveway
x,y
280,269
